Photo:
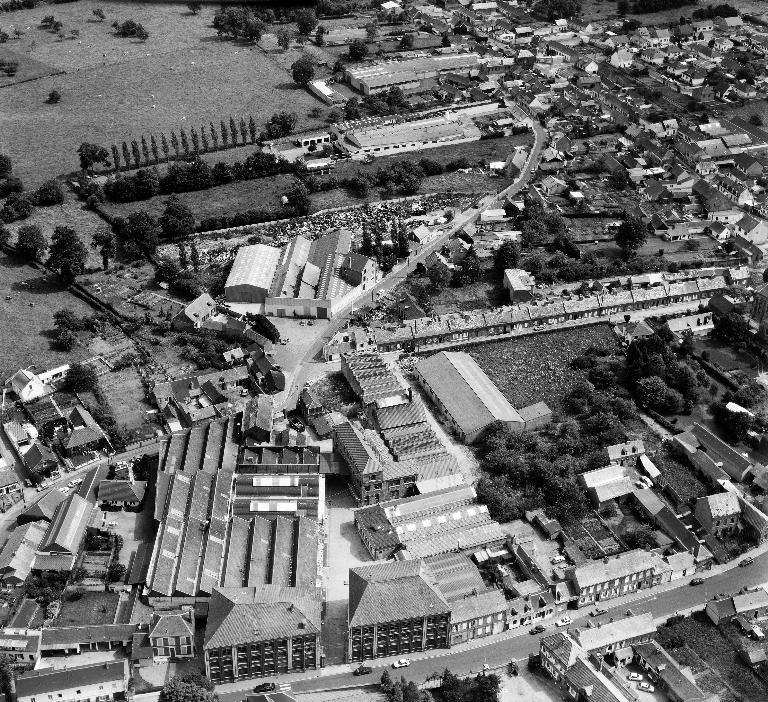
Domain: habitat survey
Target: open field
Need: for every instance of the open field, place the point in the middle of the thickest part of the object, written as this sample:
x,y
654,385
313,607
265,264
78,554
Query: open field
x,y
604,9
71,213
117,89
538,367
91,608
28,316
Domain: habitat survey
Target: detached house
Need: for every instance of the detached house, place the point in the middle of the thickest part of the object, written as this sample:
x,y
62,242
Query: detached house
x,y
172,635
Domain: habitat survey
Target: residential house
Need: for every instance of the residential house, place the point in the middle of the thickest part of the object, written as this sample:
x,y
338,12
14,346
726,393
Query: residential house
x,y
195,314
665,672
172,634
520,284
79,683
84,433
719,514
751,605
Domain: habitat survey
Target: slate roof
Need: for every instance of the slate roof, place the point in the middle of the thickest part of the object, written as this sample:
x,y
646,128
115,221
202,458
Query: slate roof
x,y
391,591
171,624
51,680
68,525
263,613
121,490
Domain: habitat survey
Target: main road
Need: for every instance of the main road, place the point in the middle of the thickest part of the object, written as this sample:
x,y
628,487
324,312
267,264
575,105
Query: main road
x,y
663,602
400,272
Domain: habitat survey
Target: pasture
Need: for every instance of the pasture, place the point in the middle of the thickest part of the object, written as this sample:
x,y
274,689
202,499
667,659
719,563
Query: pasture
x,y
27,318
116,89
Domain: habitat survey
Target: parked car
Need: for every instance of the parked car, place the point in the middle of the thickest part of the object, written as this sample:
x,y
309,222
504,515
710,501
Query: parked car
x,y
646,687
401,663
558,559
362,670
265,687
597,611
744,562
697,581
27,482
512,668
635,676
537,629
564,621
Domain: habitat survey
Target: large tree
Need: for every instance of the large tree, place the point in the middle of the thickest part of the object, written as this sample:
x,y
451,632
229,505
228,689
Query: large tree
x,y
138,234
177,219
67,255
631,235
104,241
91,154
6,165
507,255
303,70
81,378
30,242
187,689
306,21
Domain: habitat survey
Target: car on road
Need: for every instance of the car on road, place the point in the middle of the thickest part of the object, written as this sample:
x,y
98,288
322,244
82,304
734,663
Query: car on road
x,y
537,629
597,611
27,482
565,621
401,663
635,676
646,687
362,670
265,687
696,581
744,562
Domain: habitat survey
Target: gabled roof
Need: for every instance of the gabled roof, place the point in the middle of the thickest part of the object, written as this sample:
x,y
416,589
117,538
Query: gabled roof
x,y
121,490
171,624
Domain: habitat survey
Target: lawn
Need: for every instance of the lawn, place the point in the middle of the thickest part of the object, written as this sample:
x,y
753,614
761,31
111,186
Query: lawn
x,y
117,89
538,367
90,608
27,318
125,396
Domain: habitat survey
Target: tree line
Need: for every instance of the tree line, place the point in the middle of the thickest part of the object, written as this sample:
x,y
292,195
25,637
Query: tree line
x,y
14,5
208,139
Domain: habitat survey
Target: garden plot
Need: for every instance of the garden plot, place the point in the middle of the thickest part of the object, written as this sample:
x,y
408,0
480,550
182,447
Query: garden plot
x,y
87,608
537,367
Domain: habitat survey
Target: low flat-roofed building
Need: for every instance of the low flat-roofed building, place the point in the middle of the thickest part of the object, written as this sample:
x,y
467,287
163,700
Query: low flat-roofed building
x,y
22,646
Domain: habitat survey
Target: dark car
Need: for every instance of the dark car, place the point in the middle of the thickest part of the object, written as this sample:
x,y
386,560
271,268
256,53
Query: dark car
x,y
265,687
362,670
697,581
744,562
537,629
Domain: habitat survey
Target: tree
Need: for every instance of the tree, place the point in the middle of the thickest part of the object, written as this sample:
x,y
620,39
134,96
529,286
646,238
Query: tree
x,y
183,259
5,236
115,572
30,242
320,36
66,339
303,70
49,193
141,34
400,237
184,142
252,131
406,42
81,378
283,38
446,40
180,689
470,271
98,13
104,241
372,30
67,255
136,153
507,256
652,391
623,7
352,109
155,150
6,676
177,219
298,198
91,154
6,165
54,97
640,537
631,235
756,119
358,50
115,158
233,131
194,7
437,278
306,21
194,255
138,234
731,328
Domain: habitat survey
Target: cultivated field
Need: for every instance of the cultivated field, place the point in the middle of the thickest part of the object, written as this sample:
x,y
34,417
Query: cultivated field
x,y
125,395
27,318
538,367
116,89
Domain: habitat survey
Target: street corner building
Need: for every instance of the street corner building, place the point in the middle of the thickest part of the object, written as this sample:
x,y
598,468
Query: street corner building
x,y
252,632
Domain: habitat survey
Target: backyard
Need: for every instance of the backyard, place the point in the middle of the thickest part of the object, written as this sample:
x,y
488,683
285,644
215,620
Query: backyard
x,y
117,89
28,300
86,608
125,396
537,367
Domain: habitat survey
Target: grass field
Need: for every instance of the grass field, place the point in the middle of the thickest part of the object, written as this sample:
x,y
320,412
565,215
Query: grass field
x,y
125,395
117,89
91,608
538,367
71,213
27,318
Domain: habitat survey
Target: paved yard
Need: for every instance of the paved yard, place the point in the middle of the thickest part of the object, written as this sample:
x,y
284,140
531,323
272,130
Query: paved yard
x,y
134,527
345,551
529,688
